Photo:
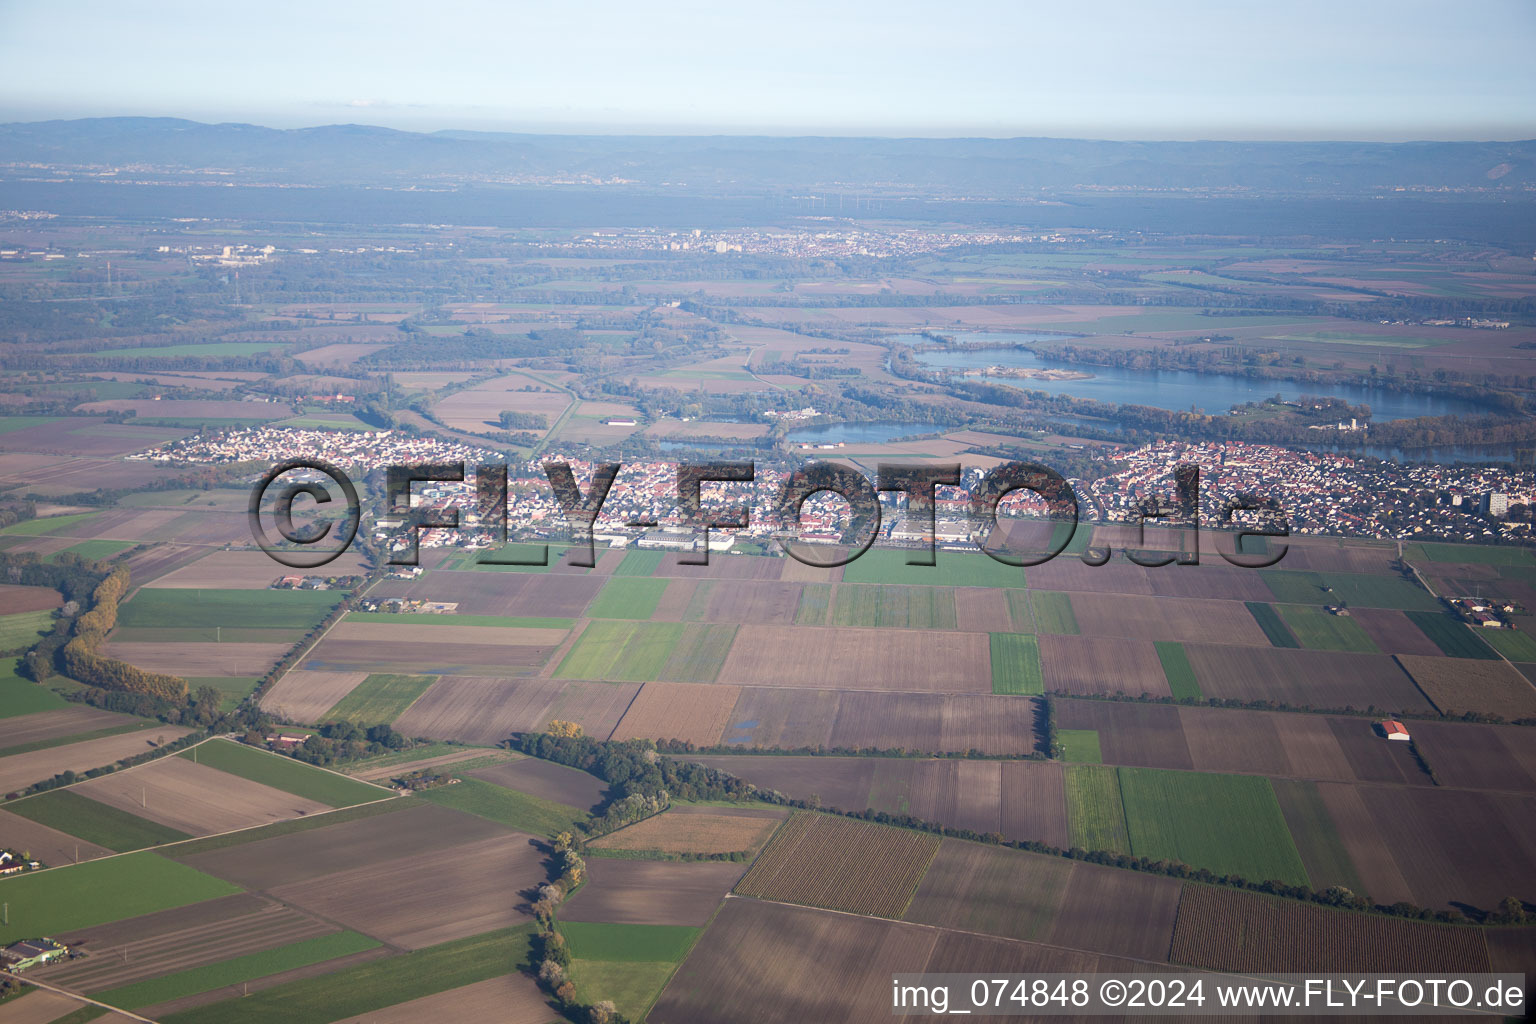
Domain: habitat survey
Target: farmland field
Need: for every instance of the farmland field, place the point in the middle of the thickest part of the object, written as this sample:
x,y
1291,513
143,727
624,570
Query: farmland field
x,y
1164,617
651,891
508,807
193,798
230,609
285,773
1458,685
987,889
1053,612
302,695
20,696
1516,646
814,604
1094,808
694,712
1229,930
627,598
1368,591
486,709
1275,629
951,569
379,698
895,660
1181,678
1320,630
23,629
639,563
1451,635
700,652
69,898
93,821
621,650
1080,745
1317,837
18,771
894,606
1088,665
725,831
1320,679
822,861
1015,664
1230,824
547,780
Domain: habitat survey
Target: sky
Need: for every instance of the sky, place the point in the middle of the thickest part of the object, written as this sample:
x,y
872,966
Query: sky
x,y
1175,69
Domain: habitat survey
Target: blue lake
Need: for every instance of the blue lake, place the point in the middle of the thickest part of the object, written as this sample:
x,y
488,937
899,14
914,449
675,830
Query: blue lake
x,y
862,433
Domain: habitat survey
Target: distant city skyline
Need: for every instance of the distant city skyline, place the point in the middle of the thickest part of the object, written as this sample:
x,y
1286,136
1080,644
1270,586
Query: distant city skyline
x,y
1184,69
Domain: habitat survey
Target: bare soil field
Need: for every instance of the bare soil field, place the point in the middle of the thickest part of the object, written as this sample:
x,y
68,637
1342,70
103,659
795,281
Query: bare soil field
x,y
1331,554
719,831
1150,735
1372,758
43,1007
1324,679
149,565
479,408
762,603
199,659
1099,665
1225,929
1118,912
1393,632
866,659
487,709
15,599
1499,757
336,654
982,611
1211,579
1458,685
675,601
479,592
87,436
667,427
245,570
651,891
1034,802
429,634
194,798
1457,847
548,780
21,770
48,845
1002,892
795,571
1373,861
777,717
212,409
694,712
409,834
305,696
49,725
344,354
509,999
990,724
465,892
1072,576
57,475
1166,618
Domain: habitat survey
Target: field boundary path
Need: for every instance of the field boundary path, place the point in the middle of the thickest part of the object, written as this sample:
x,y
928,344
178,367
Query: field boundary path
x,y
84,999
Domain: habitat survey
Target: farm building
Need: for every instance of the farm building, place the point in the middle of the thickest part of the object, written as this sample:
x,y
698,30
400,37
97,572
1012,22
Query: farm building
x,y
1394,730
18,956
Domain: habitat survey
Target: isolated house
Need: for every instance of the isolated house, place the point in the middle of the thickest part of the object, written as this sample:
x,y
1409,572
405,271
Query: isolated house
x,y
1394,730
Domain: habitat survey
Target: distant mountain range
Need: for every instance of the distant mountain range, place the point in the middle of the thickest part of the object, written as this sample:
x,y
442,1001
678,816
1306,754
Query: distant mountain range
x,y
1001,168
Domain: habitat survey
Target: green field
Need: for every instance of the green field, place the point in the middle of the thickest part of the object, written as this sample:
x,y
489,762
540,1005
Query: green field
x,y
634,942
1470,554
284,773
1229,824
1053,612
1451,635
639,563
41,527
1321,630
1021,611
815,599
951,569
20,696
1352,588
237,969
374,985
627,598
23,629
70,898
700,652
621,650
1080,745
628,964
1016,664
1274,627
1317,838
1176,669
508,807
10,423
1513,644
94,822
227,609
94,549
234,688
379,699
896,607
449,619
631,986
211,348
1095,815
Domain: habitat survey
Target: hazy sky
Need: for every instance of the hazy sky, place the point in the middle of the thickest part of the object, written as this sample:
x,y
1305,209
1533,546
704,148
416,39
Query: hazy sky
x,y
1369,69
